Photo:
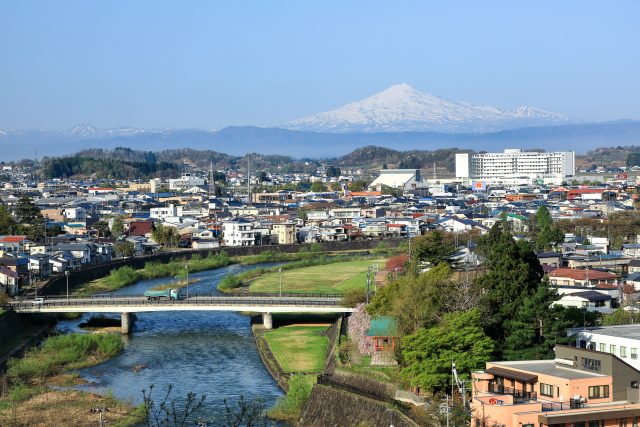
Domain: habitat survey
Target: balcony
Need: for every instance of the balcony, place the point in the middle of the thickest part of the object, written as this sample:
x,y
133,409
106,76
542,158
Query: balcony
x,y
519,396
562,406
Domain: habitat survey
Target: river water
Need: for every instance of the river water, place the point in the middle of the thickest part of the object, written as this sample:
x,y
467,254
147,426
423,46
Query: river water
x,y
211,353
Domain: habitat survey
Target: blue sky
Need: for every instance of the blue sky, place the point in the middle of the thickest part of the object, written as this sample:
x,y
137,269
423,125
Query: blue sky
x,y
207,64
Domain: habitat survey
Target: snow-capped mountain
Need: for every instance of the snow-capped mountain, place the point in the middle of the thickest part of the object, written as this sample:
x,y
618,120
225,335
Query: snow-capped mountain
x,y
403,108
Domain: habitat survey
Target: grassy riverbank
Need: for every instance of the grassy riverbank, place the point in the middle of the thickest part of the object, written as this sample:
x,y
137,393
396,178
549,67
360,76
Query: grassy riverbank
x,y
30,401
299,348
268,279
124,276
333,278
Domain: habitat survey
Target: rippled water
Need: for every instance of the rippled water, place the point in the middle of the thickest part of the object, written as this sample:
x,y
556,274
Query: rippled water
x,y
210,353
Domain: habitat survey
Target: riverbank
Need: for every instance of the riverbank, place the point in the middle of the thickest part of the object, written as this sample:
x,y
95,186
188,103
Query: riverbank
x,y
323,274
36,392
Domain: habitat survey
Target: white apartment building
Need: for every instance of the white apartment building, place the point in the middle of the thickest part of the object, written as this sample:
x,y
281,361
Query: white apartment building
x,y
185,182
404,179
514,164
238,232
622,341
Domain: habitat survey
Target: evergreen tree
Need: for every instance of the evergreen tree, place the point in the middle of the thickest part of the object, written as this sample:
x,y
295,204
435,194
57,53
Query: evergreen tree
x,y
514,293
117,228
432,248
428,353
7,223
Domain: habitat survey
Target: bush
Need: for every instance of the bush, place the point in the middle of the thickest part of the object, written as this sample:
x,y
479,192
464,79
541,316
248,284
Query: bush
x,y
228,282
62,352
398,261
290,407
353,297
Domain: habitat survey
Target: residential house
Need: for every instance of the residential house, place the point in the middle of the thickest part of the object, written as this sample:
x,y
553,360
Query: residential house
x,y
575,277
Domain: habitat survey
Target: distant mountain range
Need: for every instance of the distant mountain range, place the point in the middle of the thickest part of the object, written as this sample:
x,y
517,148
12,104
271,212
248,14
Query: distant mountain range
x,y
16,145
399,118
403,108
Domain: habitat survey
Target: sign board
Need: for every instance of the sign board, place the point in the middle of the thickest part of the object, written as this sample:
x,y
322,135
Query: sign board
x,y
479,186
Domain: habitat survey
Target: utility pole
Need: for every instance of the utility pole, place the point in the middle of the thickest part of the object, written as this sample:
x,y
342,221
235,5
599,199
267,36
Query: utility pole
x,y
186,267
248,179
280,271
66,273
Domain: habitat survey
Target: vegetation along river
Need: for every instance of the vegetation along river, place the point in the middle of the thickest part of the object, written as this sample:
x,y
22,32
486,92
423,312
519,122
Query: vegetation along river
x,y
210,353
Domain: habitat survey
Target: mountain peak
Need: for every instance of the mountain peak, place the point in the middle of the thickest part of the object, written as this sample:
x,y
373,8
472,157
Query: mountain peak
x,y
401,107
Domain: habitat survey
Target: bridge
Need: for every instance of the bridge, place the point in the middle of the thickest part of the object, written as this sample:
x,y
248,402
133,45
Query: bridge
x,y
126,304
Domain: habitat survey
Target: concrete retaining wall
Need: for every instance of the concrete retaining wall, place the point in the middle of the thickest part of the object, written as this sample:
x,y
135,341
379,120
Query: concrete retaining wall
x,y
330,406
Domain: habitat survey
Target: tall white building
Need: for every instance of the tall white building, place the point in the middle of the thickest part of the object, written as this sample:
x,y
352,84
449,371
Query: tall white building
x,y
515,166
185,182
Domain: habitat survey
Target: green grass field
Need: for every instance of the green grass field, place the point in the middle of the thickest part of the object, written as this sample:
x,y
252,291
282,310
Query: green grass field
x,y
335,278
299,348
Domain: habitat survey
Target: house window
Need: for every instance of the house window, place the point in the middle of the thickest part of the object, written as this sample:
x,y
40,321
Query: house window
x,y
634,353
623,351
598,392
634,384
603,347
612,349
591,364
546,390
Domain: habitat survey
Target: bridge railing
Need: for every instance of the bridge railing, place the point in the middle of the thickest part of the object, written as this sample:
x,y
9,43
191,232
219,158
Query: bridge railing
x,y
197,295
141,301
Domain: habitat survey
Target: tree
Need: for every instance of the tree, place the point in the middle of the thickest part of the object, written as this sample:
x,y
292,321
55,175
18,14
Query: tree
x,y
333,172
263,177
167,236
29,219
514,295
633,159
432,249
124,248
420,300
117,227
102,227
546,235
428,352
7,223
358,185
318,187
173,412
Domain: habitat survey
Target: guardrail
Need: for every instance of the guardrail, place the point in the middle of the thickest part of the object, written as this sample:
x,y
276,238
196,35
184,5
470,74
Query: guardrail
x,y
193,295
143,301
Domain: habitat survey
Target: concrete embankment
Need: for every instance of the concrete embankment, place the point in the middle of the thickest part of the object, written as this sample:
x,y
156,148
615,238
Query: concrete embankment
x,y
329,406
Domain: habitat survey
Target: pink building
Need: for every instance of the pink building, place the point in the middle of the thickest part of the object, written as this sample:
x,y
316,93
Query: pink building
x,y
579,388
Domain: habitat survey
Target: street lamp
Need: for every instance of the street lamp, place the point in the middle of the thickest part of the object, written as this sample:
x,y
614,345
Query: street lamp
x,y
280,271
66,273
186,267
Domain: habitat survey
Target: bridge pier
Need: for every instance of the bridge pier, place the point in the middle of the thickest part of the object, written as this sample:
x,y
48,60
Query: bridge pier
x,y
267,320
126,319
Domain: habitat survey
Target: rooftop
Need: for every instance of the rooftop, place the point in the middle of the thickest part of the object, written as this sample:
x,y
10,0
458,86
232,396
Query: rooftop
x,y
621,331
548,367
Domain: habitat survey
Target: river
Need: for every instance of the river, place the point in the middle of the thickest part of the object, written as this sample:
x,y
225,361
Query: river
x,y
211,353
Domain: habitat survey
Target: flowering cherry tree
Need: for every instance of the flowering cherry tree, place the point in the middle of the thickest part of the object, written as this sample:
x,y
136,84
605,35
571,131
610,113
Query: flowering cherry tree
x,y
357,327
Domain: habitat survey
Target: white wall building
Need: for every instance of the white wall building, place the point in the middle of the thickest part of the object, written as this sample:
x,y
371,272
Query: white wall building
x,y
622,341
516,164
185,182
404,179
238,232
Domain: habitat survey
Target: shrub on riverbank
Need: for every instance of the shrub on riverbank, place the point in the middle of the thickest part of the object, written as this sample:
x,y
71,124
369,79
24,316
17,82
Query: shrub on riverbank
x,y
63,352
289,408
271,256
229,282
126,275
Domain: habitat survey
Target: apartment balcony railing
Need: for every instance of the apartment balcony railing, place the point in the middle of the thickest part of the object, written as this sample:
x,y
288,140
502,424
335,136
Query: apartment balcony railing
x,y
519,396
562,406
